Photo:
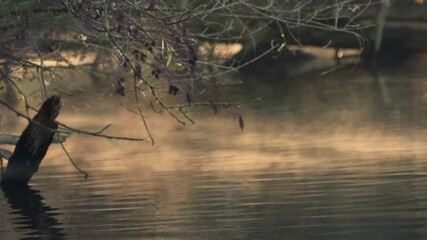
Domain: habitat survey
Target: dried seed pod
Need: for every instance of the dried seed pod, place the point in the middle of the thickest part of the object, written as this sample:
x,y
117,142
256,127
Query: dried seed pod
x,y
143,57
214,108
120,87
241,123
125,63
189,97
173,90
138,71
135,53
152,4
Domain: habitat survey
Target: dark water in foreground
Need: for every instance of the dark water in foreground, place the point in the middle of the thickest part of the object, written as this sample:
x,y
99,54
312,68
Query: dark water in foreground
x,y
343,156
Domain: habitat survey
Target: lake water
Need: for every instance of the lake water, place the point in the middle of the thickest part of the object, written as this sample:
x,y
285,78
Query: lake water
x,y
338,156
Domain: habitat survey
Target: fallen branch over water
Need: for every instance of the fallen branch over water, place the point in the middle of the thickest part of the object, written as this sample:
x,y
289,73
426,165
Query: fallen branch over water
x,y
8,139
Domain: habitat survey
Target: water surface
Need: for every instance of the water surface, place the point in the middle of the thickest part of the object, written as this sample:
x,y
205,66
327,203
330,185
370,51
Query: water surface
x,y
339,156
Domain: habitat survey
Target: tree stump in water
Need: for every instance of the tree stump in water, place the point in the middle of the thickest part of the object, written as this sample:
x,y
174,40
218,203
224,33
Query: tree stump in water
x,y
33,144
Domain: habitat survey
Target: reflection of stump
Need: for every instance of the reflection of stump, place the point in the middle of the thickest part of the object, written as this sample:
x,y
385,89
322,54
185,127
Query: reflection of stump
x,y
33,143
29,212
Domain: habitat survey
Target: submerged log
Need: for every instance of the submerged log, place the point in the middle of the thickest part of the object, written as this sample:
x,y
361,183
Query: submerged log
x,y
33,143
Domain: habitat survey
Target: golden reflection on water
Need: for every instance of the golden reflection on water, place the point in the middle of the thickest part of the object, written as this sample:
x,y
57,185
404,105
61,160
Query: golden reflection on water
x,y
219,137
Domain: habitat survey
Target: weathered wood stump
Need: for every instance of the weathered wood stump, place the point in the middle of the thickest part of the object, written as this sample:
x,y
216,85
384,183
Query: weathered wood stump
x,y
33,144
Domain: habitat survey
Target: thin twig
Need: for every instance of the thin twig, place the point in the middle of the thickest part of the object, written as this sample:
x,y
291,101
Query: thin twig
x,y
97,134
41,80
86,174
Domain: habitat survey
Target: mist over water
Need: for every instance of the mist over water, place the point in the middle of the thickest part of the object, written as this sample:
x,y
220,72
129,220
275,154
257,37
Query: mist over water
x,y
337,156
